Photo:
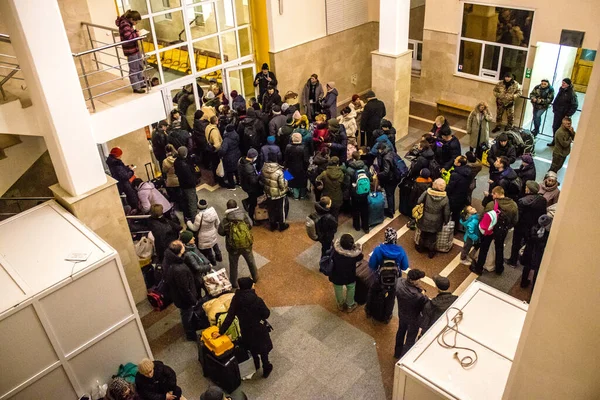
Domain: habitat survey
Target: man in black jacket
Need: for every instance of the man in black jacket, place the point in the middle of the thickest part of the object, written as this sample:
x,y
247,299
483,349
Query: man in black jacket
x,y
156,381
182,287
371,118
505,177
160,141
437,306
531,207
502,147
360,202
422,160
187,182
249,181
411,300
447,149
326,224
263,79
458,188
387,176
251,131
565,105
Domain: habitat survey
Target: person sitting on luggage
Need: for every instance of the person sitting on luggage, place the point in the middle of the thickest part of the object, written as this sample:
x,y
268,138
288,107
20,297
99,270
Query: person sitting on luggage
x,y
411,300
437,306
120,389
326,225
436,213
345,255
156,380
389,250
252,313
194,259
216,393
470,220
422,183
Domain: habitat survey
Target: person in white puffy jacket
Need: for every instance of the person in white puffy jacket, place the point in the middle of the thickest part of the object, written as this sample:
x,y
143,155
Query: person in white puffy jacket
x,y
206,224
348,119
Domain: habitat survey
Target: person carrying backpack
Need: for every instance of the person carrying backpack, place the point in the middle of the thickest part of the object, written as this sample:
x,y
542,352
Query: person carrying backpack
x,y
498,217
389,250
236,226
325,224
358,181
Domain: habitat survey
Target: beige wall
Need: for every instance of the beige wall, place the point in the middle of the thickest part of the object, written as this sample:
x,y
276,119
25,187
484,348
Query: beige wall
x,y
557,356
334,58
301,22
135,150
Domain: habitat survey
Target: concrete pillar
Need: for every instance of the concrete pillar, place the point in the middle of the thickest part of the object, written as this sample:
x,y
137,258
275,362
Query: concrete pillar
x,y
42,48
392,63
557,356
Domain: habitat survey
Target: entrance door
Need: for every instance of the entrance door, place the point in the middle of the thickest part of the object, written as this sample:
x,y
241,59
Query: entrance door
x,y
582,69
241,79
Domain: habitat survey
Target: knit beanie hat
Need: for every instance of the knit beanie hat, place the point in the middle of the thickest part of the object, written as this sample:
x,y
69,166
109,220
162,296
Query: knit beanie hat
x,y
252,153
116,152
276,109
415,274
245,283
526,158
229,128
271,139
296,116
296,138
186,236
331,84
533,186
425,173
265,66
390,236
551,174
182,152
117,388
213,392
502,137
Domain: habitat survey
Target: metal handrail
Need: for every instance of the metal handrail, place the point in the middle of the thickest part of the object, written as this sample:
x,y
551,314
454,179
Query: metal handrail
x,y
14,68
109,46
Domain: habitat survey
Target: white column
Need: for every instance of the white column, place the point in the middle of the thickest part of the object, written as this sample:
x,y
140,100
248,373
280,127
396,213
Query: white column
x,y
558,353
393,26
40,42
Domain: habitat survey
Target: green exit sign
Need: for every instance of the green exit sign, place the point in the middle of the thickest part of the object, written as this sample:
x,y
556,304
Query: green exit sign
x,y
528,73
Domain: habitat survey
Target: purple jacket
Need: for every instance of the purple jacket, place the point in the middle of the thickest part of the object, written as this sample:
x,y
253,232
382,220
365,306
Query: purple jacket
x,y
127,32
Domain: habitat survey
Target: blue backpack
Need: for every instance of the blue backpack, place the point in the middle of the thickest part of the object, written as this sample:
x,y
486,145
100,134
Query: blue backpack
x,y
400,168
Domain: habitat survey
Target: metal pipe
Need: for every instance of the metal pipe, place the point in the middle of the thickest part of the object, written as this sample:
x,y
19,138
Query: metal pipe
x,y
92,45
108,28
118,56
87,84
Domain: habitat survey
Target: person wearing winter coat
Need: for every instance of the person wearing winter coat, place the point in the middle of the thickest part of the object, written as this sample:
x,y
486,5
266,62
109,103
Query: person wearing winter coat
x,y
251,131
436,213
387,176
422,183
263,79
563,138
230,154
478,125
411,301
475,167
458,188
565,105
338,141
357,105
422,161
360,202
329,102
156,381
389,250
171,180
534,250
526,171
164,230
326,224
119,389
332,181
541,98
448,148
345,254
187,182
348,119
472,234
127,31
122,174
195,260
237,101
370,120
296,162
440,127
505,177
437,306
149,195
248,178
531,207
284,135
270,148
320,133
380,137
307,140
206,225
506,92
549,188
182,287
160,141
237,216
270,99
275,187
252,314
277,121
508,218
312,93
501,147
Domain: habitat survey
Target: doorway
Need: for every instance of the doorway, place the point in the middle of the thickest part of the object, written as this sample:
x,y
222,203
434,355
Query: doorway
x,y
241,79
554,63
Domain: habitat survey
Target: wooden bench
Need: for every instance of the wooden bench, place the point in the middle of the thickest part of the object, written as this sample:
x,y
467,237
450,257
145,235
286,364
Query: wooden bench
x,y
445,106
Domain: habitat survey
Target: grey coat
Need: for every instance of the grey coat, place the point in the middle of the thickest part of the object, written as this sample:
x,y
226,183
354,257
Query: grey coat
x,y
473,123
436,211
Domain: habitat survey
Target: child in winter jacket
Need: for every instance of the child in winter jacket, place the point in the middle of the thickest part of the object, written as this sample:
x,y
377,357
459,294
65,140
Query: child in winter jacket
x,y
471,223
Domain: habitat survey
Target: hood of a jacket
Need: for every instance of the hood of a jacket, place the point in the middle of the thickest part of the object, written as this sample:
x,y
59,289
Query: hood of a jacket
x,y
333,91
209,215
233,136
270,168
146,186
530,199
235,214
334,172
320,209
357,164
122,20
171,258
547,188
303,132
509,174
391,251
354,252
472,217
436,195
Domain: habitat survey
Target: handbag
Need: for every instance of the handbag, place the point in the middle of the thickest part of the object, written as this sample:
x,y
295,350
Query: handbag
x,y
220,169
216,282
326,263
417,211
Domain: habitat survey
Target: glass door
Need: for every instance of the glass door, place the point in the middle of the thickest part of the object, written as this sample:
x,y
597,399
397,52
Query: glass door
x,y
241,79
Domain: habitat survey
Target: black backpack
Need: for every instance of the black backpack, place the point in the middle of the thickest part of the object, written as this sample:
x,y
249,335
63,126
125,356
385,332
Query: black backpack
x,y
251,139
388,274
435,169
178,138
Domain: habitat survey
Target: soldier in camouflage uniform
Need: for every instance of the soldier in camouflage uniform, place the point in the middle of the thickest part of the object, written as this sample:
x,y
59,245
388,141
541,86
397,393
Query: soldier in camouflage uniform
x,y
506,92
541,97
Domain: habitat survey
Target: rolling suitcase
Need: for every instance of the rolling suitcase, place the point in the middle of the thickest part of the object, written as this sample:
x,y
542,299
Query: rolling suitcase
x,y
406,187
376,208
365,278
380,304
217,357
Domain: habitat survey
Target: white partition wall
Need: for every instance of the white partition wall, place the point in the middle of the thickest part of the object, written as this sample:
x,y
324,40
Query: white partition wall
x,y
65,326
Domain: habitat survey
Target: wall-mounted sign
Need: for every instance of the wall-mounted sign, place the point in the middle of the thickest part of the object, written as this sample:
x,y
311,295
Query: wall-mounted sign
x,y
528,73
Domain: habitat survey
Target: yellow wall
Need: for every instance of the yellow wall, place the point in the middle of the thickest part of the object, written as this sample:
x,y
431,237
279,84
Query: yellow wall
x,y
260,31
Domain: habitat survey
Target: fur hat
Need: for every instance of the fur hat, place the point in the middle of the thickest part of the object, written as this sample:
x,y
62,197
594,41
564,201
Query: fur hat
x,y
533,186
527,159
252,153
271,139
415,274
390,236
441,282
202,204
116,152
182,152
296,138
425,173
186,236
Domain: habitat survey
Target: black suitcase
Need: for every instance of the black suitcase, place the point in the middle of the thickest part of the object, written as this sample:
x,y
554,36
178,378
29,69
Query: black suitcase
x,y
405,187
380,304
223,370
360,292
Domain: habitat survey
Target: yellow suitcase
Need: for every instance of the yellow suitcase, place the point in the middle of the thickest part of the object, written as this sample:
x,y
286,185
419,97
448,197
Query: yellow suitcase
x,y
217,346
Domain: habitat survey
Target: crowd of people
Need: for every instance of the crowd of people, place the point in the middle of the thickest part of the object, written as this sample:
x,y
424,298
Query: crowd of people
x,y
297,147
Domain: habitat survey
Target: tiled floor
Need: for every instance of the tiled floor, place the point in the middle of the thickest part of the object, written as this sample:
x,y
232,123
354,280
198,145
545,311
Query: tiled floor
x,y
319,352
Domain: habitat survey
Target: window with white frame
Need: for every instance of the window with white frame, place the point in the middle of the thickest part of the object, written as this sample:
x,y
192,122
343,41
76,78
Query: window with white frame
x,y
494,41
